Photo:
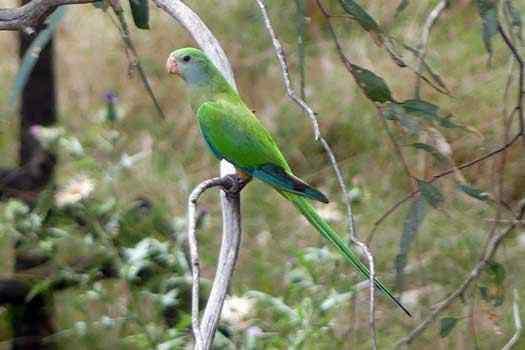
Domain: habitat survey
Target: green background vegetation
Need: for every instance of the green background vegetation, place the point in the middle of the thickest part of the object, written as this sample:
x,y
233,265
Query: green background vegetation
x,y
277,255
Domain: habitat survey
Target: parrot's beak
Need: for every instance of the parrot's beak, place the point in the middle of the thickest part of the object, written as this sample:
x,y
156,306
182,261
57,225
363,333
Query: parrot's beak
x,y
171,66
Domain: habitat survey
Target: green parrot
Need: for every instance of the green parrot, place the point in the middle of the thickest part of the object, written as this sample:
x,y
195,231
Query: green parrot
x,y
233,132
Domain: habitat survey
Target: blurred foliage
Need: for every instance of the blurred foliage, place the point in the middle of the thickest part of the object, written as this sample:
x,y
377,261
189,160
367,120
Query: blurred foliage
x,y
113,221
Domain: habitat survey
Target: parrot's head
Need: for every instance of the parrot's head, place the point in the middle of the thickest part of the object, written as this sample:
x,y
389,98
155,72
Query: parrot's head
x,y
190,64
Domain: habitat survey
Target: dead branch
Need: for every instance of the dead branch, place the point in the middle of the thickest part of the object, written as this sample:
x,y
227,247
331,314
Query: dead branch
x,y
27,17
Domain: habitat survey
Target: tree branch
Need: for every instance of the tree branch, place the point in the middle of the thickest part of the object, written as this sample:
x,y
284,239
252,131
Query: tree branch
x,y
32,14
231,217
281,56
224,182
517,320
425,36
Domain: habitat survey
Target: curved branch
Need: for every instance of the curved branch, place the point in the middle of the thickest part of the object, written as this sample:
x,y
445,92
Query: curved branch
x,y
231,217
32,14
224,182
281,56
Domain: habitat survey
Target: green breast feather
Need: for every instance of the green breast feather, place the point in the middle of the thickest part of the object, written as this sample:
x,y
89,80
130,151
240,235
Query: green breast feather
x,y
233,133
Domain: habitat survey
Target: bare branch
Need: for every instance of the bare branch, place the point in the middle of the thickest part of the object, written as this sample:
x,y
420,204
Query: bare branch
x,y
425,36
281,56
231,217
32,14
517,320
194,251
286,74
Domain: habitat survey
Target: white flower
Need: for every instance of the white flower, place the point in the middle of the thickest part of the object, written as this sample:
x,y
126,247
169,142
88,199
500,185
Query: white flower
x,y
76,190
236,310
46,136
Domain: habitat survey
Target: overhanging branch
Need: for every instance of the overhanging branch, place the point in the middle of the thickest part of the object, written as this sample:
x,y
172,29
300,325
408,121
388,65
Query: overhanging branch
x,y
32,14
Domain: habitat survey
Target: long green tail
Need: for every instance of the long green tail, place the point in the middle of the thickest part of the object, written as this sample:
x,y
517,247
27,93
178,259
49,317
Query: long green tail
x,y
327,232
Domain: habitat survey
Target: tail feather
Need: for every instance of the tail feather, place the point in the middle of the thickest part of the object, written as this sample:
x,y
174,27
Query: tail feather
x,y
327,232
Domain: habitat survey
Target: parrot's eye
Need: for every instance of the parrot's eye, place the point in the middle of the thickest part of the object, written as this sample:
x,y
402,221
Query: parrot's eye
x,y
186,58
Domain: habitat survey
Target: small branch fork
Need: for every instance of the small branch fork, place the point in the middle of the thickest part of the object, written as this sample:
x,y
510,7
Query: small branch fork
x,y
231,207
203,331
281,56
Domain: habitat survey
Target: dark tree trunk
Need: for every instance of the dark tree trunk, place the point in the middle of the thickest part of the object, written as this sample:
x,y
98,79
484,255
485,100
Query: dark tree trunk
x,y
38,107
31,320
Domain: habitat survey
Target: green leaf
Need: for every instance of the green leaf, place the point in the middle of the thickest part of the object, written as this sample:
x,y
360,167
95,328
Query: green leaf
x,y
365,20
33,53
447,324
497,271
140,12
401,7
374,87
489,14
474,192
394,111
428,111
430,149
39,288
484,292
431,193
414,219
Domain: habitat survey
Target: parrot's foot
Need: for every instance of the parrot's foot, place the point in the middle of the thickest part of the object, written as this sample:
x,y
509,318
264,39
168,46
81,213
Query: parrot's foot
x,y
234,183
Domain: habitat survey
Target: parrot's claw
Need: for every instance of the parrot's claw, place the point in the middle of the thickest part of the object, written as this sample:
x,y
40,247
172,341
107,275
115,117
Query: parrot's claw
x,y
234,184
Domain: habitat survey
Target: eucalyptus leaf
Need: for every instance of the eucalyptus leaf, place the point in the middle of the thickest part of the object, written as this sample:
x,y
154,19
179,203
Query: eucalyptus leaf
x,y
365,20
497,271
394,111
447,324
474,192
430,149
140,13
431,193
414,219
488,12
374,87
428,111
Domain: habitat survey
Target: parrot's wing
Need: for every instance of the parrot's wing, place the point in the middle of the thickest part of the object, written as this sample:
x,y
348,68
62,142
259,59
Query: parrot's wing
x,y
234,133
277,177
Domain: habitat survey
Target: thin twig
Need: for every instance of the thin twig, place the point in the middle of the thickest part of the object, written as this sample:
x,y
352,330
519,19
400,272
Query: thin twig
x,y
445,173
517,320
483,263
423,45
521,86
126,38
281,56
